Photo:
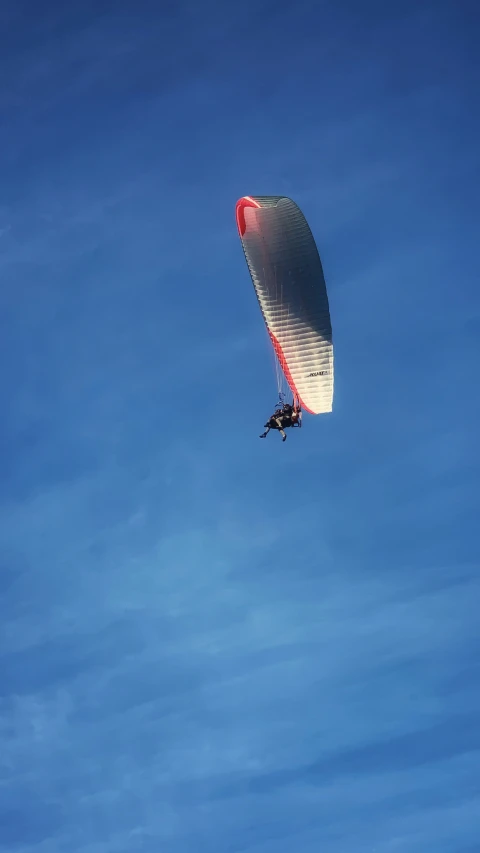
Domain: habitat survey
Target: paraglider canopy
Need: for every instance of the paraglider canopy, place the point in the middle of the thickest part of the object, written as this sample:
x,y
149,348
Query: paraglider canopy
x,y
288,278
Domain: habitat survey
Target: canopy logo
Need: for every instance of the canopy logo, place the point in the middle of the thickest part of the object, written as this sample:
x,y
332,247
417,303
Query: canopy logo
x,y
319,373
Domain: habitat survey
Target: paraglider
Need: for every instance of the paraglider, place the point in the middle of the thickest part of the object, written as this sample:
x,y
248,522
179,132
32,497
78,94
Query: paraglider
x,y
286,416
288,278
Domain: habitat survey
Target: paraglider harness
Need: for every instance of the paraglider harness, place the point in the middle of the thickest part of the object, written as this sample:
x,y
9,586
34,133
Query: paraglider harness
x,y
290,412
284,416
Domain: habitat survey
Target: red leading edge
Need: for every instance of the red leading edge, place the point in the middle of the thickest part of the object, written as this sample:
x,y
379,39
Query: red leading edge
x,y
242,203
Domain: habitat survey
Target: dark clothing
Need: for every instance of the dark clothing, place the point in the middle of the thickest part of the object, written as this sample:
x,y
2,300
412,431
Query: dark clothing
x,y
282,419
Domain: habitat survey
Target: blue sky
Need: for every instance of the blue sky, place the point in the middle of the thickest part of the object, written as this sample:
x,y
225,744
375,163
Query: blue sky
x,y
211,643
